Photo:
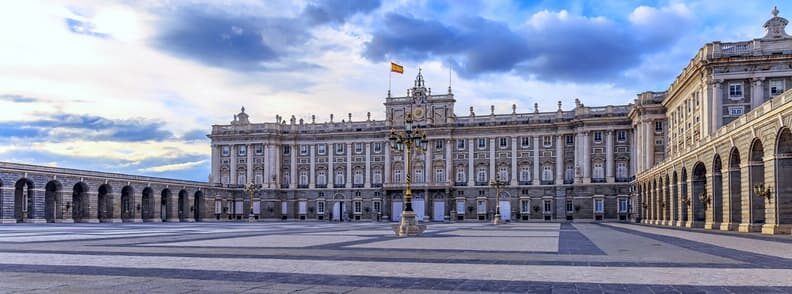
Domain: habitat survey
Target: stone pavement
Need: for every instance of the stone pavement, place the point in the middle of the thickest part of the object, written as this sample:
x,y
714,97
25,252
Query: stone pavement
x,y
312,257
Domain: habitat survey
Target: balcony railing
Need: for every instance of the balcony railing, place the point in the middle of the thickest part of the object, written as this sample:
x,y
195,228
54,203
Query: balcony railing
x,y
284,186
569,181
482,183
460,184
547,182
525,183
623,180
599,180
357,185
302,186
321,186
376,185
339,185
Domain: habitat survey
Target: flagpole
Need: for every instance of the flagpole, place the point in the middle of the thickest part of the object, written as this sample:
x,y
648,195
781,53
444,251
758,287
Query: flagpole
x,y
390,73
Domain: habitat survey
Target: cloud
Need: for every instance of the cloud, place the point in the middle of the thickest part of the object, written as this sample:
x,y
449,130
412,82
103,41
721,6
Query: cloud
x,y
61,127
337,11
195,135
18,98
549,46
173,167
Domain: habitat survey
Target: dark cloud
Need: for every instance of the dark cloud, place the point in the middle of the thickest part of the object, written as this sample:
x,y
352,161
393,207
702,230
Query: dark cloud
x,y
60,127
245,42
550,47
195,135
18,98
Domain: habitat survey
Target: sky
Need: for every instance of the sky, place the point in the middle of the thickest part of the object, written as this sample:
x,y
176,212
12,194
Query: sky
x,y
134,86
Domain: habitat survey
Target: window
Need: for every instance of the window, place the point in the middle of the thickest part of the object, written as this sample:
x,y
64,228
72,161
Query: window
x,y
460,206
321,149
377,205
598,171
303,178
460,175
482,143
621,170
659,142
439,176
284,208
621,136
599,206
377,178
377,147
525,141
569,175
438,144
358,148
460,144
218,207
736,110
481,206
547,141
481,176
776,87
570,206
358,207
622,205
259,149
286,149
397,176
525,206
226,151
242,150
358,177
339,148
339,178
259,178
241,179
598,137
303,149
503,142
286,177
419,175
320,207
547,173
548,206
570,139
735,91
321,178
525,174
658,126
503,174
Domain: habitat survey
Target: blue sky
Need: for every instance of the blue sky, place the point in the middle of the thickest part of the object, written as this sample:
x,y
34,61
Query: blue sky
x,y
134,86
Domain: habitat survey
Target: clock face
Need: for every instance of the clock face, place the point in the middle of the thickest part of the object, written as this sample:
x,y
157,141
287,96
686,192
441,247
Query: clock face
x,y
418,113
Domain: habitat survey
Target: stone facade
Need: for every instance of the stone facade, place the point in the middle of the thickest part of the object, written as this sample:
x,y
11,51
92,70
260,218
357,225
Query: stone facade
x,y
728,143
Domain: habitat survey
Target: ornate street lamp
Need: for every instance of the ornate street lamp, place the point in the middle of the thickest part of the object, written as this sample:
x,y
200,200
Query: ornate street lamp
x,y
252,189
498,185
705,199
761,191
405,141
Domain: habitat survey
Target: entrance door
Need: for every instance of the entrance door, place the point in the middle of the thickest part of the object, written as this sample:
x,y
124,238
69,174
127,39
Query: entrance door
x,y
338,211
505,209
419,208
396,211
439,211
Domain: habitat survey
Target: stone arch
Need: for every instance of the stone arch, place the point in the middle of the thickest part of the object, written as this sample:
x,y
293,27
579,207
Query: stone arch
x,y
80,203
783,174
198,206
52,201
128,207
24,203
756,177
183,208
104,203
716,201
685,196
147,204
166,209
699,180
735,187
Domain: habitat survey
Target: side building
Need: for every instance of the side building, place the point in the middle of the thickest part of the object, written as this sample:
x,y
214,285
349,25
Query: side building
x,y
558,165
717,144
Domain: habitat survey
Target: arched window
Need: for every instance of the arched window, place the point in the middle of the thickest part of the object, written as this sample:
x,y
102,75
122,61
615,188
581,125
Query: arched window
x,y
598,172
439,176
460,175
503,173
321,178
377,178
419,175
397,176
303,178
339,178
525,174
358,180
547,173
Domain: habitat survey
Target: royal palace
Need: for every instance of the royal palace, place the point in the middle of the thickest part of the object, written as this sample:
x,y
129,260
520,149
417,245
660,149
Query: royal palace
x,y
711,151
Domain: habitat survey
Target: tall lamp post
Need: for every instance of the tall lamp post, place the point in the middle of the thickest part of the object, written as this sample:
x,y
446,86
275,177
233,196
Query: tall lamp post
x,y
251,189
498,185
405,141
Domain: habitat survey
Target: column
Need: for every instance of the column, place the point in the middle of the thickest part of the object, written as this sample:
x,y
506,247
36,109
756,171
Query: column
x,y
449,162
559,179
348,177
294,174
367,174
471,169
513,181
674,215
387,171
578,158
215,163
650,142
312,168
634,139
7,209
536,175
116,197
717,109
233,172
492,172
277,157
249,176
156,200
36,215
428,178
609,157
586,158
93,199
330,171
265,170
757,93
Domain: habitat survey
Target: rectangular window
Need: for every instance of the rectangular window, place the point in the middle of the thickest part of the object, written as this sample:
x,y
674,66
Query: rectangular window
x,y
358,180
658,126
397,176
621,136
598,137
320,207
525,174
460,206
377,206
358,148
481,176
547,174
570,140
525,206
599,206
776,87
218,207
377,147
481,206
302,207
339,148
339,178
419,175
321,178
736,110
439,176
284,208
570,207
525,141
226,151
460,177
438,145
286,149
321,149
735,90
242,150
303,149
358,207
303,178
482,143
377,178
547,141
622,205
548,206
460,144
504,142
259,149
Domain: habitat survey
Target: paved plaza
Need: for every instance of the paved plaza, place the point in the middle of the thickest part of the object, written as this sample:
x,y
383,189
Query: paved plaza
x,y
365,258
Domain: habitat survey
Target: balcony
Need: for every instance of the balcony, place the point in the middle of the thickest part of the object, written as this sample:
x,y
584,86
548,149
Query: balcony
x,y
460,184
379,185
302,186
339,186
599,180
284,186
547,182
569,181
525,183
482,183
321,186
623,180
357,185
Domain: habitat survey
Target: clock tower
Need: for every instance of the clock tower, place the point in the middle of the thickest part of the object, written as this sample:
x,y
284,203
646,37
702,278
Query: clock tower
x,y
426,108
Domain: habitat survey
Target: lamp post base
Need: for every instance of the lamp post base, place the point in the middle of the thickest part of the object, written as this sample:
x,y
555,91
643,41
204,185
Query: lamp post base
x,y
408,226
251,218
497,220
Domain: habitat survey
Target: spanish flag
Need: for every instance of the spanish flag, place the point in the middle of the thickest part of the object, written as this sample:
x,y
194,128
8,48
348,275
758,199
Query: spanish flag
x,y
397,68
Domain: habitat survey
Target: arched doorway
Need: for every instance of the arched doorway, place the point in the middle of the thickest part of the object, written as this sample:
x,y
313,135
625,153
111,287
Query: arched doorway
x,y
23,200
699,188
717,192
52,199
184,206
105,203
685,196
147,204
438,207
783,176
505,206
79,205
165,209
339,209
128,208
397,205
419,206
756,177
735,189
198,206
